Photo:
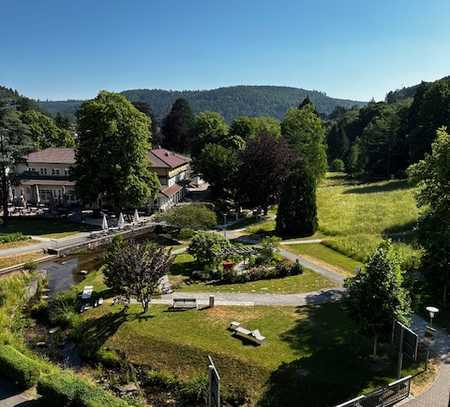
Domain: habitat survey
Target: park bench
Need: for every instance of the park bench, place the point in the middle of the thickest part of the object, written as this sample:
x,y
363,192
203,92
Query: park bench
x,y
251,336
184,303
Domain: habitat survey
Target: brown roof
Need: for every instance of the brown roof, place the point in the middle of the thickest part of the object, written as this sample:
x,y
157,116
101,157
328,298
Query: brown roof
x,y
52,156
171,191
162,158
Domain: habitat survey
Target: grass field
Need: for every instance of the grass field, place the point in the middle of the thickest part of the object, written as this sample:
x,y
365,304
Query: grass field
x,y
306,282
354,217
8,261
316,251
311,353
44,227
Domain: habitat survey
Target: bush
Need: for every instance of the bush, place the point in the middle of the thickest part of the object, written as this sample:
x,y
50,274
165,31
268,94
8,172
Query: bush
x,y
162,380
13,237
194,391
58,390
108,358
337,165
65,389
192,216
186,233
282,269
18,367
30,266
207,248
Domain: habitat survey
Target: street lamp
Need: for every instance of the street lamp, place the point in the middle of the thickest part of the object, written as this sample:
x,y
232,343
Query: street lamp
x,y
432,311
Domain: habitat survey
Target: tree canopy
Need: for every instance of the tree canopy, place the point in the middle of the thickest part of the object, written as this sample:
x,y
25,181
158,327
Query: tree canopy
x,y
112,157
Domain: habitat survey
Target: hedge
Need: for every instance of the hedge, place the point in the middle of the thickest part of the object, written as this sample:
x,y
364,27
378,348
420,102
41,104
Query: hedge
x,y
18,367
67,390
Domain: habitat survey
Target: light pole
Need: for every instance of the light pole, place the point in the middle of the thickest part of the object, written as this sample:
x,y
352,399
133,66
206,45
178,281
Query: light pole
x,y
225,225
429,333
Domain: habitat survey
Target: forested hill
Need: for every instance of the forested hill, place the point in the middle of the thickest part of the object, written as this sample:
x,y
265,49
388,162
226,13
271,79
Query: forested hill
x,y
231,102
407,92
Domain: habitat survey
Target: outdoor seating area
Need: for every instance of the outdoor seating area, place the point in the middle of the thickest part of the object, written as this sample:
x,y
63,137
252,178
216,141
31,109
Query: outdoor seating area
x,y
252,336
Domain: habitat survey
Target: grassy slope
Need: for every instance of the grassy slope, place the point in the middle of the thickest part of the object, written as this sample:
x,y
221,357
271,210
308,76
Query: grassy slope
x,y
354,217
357,216
49,228
306,282
9,261
317,341
334,259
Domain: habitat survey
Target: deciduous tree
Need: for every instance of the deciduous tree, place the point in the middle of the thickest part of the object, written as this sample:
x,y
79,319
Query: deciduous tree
x,y
112,158
432,176
376,296
135,270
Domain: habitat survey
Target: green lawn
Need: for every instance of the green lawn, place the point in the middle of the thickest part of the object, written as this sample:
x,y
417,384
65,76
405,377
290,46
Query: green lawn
x,y
317,251
306,282
311,353
44,227
354,217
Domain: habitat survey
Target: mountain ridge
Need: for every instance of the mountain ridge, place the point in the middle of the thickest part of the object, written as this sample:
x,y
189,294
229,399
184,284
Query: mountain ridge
x,y
230,101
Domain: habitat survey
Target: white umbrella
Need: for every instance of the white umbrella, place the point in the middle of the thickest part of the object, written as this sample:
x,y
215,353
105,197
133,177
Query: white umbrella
x,y
121,222
10,194
136,216
104,223
38,196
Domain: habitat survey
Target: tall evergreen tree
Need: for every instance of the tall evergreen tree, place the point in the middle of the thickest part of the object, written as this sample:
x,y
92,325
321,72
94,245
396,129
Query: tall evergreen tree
x,y
305,133
112,158
178,126
297,210
155,131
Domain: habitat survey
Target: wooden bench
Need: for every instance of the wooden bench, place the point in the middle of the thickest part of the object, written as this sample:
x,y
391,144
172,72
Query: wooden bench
x,y
184,303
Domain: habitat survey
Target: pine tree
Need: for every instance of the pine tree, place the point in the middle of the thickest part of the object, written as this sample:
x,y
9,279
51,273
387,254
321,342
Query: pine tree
x,y
297,211
178,127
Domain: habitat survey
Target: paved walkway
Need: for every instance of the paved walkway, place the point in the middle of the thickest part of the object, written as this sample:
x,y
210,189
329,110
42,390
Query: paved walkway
x,y
438,395
11,397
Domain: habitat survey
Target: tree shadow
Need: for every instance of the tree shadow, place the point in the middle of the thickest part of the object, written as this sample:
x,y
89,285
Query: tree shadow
x,y
335,365
92,334
376,187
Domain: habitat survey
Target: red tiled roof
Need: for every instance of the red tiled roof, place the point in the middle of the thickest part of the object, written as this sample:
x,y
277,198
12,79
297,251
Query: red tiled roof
x,y
162,158
53,156
171,191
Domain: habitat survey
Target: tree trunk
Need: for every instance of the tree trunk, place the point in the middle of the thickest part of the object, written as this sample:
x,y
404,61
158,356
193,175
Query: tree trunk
x,y
444,296
145,305
375,343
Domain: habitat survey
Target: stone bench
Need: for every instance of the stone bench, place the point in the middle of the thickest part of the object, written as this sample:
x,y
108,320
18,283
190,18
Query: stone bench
x,y
184,303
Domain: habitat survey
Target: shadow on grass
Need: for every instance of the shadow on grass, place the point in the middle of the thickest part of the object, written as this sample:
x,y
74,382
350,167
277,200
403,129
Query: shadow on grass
x,y
376,187
336,367
93,333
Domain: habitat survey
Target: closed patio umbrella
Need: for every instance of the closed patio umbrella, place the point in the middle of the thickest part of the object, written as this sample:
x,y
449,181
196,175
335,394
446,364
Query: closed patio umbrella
x,y
121,222
136,216
10,194
38,196
104,223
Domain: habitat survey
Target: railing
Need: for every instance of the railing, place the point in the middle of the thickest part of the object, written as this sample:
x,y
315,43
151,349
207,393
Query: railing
x,y
384,396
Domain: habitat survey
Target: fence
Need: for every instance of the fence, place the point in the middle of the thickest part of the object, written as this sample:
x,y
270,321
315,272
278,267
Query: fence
x,y
383,397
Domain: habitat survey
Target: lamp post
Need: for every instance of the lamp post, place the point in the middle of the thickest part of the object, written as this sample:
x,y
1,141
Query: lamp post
x,y
432,311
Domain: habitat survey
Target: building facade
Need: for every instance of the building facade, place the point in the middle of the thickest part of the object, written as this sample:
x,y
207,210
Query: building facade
x,y
44,177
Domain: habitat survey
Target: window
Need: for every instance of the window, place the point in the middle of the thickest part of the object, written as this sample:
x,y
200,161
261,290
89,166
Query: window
x,y
43,171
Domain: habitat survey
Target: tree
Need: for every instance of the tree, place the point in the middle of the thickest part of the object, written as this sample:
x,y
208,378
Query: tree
x,y
178,126
376,296
337,165
432,177
155,131
207,249
250,127
135,270
209,128
305,133
297,211
112,158
219,166
14,143
264,167
62,122
44,132
193,216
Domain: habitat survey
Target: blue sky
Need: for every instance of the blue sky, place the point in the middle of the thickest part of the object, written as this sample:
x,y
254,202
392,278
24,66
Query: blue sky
x,y
347,48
